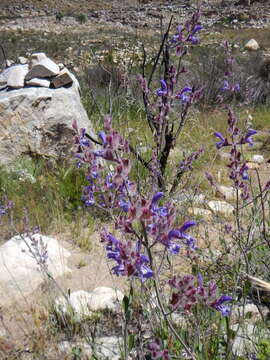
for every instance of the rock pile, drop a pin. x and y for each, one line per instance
(39, 71)
(39, 101)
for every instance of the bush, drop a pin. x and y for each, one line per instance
(81, 18)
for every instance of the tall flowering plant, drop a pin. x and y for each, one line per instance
(145, 227)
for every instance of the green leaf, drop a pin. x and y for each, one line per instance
(131, 341)
(125, 304)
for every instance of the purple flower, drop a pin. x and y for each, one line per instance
(226, 85)
(196, 29)
(2, 211)
(163, 90)
(181, 234)
(222, 142)
(161, 211)
(247, 138)
(236, 87)
(183, 94)
(243, 172)
(84, 142)
(178, 35)
(174, 248)
(156, 352)
(130, 262)
(186, 163)
(218, 305)
(124, 205)
(192, 38)
(156, 198)
(102, 136)
(186, 294)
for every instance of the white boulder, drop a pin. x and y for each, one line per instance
(20, 273)
(38, 120)
(84, 303)
(104, 297)
(221, 207)
(252, 45)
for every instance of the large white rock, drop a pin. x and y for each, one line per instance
(248, 312)
(104, 297)
(221, 207)
(246, 337)
(104, 348)
(20, 274)
(43, 69)
(84, 303)
(252, 45)
(38, 121)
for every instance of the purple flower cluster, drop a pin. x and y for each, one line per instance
(187, 33)
(4, 208)
(229, 87)
(105, 189)
(186, 163)
(130, 261)
(156, 351)
(189, 291)
(159, 221)
(238, 169)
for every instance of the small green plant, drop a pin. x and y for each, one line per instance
(81, 18)
(263, 350)
(59, 16)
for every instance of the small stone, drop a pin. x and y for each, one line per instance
(9, 62)
(39, 82)
(16, 76)
(62, 79)
(61, 66)
(22, 60)
(43, 69)
(259, 159)
(253, 165)
(228, 192)
(37, 58)
(200, 212)
(78, 303)
(252, 45)
(221, 207)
